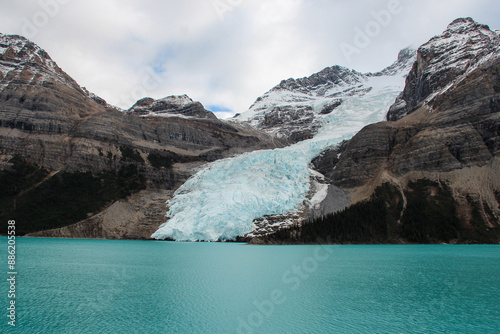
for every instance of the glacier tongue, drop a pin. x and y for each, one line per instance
(221, 201)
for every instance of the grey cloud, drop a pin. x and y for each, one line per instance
(230, 59)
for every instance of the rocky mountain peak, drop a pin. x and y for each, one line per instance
(296, 108)
(406, 54)
(319, 82)
(444, 60)
(170, 106)
(177, 100)
(464, 24)
(18, 48)
(31, 82)
(145, 102)
(19, 53)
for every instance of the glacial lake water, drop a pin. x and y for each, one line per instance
(101, 286)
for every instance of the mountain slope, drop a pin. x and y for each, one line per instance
(49, 123)
(444, 61)
(429, 174)
(448, 142)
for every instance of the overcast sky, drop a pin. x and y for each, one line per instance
(225, 53)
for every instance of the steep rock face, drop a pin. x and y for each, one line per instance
(458, 128)
(46, 117)
(31, 84)
(452, 137)
(443, 60)
(296, 108)
(49, 120)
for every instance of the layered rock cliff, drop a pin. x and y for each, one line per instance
(48, 120)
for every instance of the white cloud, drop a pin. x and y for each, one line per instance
(226, 59)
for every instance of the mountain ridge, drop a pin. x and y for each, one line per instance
(51, 124)
(440, 141)
(295, 108)
(444, 147)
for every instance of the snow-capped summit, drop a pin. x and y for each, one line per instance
(170, 106)
(462, 45)
(319, 84)
(445, 60)
(177, 100)
(296, 108)
(24, 49)
(18, 54)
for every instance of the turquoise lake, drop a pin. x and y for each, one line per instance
(101, 286)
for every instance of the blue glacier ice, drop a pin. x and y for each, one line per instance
(221, 201)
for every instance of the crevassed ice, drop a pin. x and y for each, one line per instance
(221, 201)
